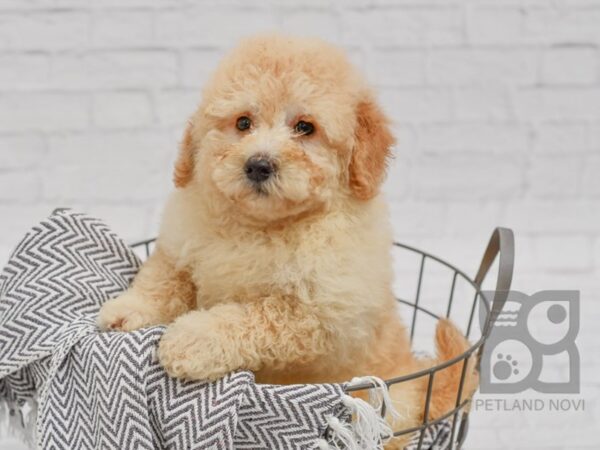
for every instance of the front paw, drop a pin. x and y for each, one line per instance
(126, 312)
(194, 348)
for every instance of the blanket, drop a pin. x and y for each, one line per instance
(70, 386)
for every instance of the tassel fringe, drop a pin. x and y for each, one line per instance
(17, 420)
(367, 429)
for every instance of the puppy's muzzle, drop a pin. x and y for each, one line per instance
(259, 168)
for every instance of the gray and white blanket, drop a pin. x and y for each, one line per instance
(86, 389)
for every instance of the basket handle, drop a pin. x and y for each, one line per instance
(501, 245)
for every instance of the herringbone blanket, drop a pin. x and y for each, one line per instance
(107, 390)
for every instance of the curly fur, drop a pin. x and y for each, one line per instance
(292, 282)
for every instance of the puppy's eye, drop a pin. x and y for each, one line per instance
(243, 123)
(304, 128)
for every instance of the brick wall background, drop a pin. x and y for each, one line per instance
(496, 106)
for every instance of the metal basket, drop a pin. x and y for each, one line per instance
(500, 248)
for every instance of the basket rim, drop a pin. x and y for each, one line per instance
(425, 372)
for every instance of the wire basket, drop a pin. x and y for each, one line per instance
(501, 248)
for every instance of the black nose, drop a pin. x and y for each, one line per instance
(258, 168)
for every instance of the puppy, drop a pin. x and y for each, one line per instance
(274, 250)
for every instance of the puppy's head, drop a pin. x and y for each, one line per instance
(286, 128)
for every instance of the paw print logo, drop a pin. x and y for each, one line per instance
(531, 331)
(510, 362)
(505, 367)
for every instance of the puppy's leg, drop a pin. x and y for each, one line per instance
(271, 332)
(158, 294)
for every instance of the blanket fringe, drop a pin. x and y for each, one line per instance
(367, 429)
(18, 419)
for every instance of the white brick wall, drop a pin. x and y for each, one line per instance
(496, 106)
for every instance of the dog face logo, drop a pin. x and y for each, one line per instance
(532, 335)
(277, 136)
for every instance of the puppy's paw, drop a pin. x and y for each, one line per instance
(193, 348)
(126, 312)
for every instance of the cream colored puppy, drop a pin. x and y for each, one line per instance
(274, 250)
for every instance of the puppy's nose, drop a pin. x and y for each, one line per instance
(259, 168)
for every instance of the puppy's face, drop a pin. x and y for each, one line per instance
(268, 152)
(286, 127)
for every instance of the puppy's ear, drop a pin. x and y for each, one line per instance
(184, 166)
(371, 151)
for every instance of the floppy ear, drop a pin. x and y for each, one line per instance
(371, 151)
(184, 166)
